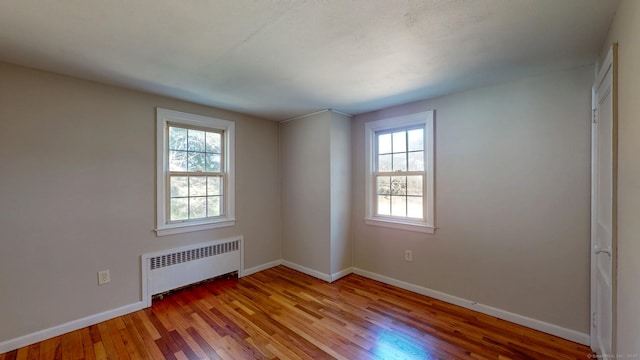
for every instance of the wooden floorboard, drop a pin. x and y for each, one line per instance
(280, 313)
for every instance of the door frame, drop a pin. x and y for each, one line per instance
(609, 64)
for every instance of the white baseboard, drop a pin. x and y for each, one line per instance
(308, 271)
(572, 335)
(303, 269)
(41, 335)
(13, 344)
(262, 267)
(322, 276)
(341, 274)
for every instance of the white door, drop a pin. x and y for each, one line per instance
(603, 208)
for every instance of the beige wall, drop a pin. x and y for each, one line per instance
(340, 148)
(305, 189)
(625, 30)
(315, 163)
(77, 161)
(512, 196)
(512, 200)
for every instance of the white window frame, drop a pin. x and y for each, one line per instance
(163, 226)
(425, 225)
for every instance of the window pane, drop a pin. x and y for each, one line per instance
(384, 163)
(213, 186)
(213, 142)
(398, 185)
(414, 185)
(196, 140)
(416, 139)
(197, 207)
(414, 207)
(383, 185)
(197, 186)
(179, 209)
(213, 206)
(398, 206)
(179, 186)
(400, 162)
(384, 144)
(397, 172)
(213, 162)
(384, 205)
(399, 142)
(416, 161)
(177, 160)
(196, 162)
(177, 138)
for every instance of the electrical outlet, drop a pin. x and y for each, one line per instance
(408, 255)
(104, 277)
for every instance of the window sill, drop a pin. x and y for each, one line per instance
(181, 228)
(398, 224)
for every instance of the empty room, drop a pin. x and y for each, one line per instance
(358, 179)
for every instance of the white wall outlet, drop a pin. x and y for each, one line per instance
(408, 255)
(104, 277)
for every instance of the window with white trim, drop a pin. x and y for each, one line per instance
(195, 182)
(400, 177)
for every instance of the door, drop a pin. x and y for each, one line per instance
(603, 207)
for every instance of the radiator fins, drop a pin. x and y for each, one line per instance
(193, 254)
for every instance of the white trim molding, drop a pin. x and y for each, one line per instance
(308, 271)
(257, 269)
(340, 274)
(571, 335)
(423, 120)
(163, 227)
(303, 269)
(568, 334)
(58, 330)
(397, 224)
(314, 113)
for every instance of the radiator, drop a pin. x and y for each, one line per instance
(178, 267)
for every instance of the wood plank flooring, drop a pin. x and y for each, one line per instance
(280, 313)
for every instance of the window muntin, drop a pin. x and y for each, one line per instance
(399, 175)
(400, 179)
(195, 172)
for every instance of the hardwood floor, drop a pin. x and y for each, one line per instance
(283, 314)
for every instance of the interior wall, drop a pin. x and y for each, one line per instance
(340, 148)
(624, 31)
(78, 195)
(512, 199)
(305, 189)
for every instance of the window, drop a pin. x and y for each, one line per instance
(195, 187)
(400, 178)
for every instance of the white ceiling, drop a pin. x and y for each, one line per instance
(280, 59)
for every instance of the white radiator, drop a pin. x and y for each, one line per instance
(174, 268)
